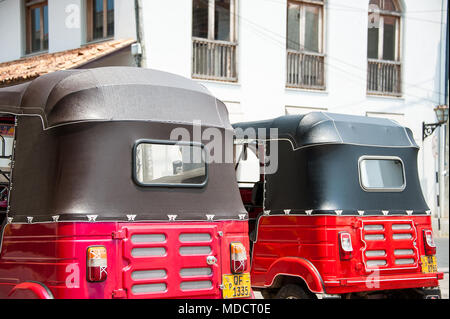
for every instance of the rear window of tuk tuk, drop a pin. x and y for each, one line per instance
(381, 173)
(196, 174)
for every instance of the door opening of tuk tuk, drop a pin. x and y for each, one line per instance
(250, 180)
(6, 148)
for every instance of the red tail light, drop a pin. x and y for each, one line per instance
(428, 242)
(238, 258)
(345, 246)
(97, 267)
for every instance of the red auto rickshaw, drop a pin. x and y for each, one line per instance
(343, 212)
(106, 202)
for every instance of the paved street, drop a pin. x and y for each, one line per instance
(442, 252)
(442, 260)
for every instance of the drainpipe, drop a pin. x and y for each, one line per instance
(139, 51)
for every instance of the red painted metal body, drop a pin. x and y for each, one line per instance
(49, 259)
(307, 247)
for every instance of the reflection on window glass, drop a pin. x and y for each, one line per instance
(312, 28)
(36, 29)
(39, 28)
(110, 18)
(200, 18)
(98, 19)
(389, 38)
(170, 164)
(222, 20)
(303, 27)
(372, 43)
(45, 44)
(293, 28)
(382, 174)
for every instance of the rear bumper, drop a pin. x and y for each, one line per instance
(383, 282)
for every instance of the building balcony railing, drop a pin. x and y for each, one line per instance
(214, 60)
(384, 77)
(305, 70)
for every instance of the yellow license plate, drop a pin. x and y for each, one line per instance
(429, 264)
(236, 286)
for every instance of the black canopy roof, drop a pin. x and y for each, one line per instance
(114, 93)
(83, 166)
(322, 175)
(324, 128)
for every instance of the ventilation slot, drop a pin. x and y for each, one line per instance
(401, 227)
(374, 237)
(148, 274)
(373, 227)
(195, 237)
(148, 238)
(148, 252)
(376, 263)
(402, 252)
(375, 253)
(195, 272)
(195, 250)
(406, 261)
(195, 285)
(401, 236)
(150, 288)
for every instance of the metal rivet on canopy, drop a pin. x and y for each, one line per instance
(92, 218)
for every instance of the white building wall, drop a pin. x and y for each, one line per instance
(64, 25)
(124, 19)
(67, 25)
(167, 33)
(11, 46)
(260, 92)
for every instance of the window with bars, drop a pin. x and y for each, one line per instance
(304, 41)
(36, 14)
(383, 48)
(214, 40)
(100, 19)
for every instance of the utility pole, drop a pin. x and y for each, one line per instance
(139, 50)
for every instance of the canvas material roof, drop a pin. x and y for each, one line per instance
(114, 93)
(324, 128)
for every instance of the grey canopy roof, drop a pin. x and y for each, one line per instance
(114, 93)
(322, 128)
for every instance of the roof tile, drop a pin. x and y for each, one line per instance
(31, 67)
